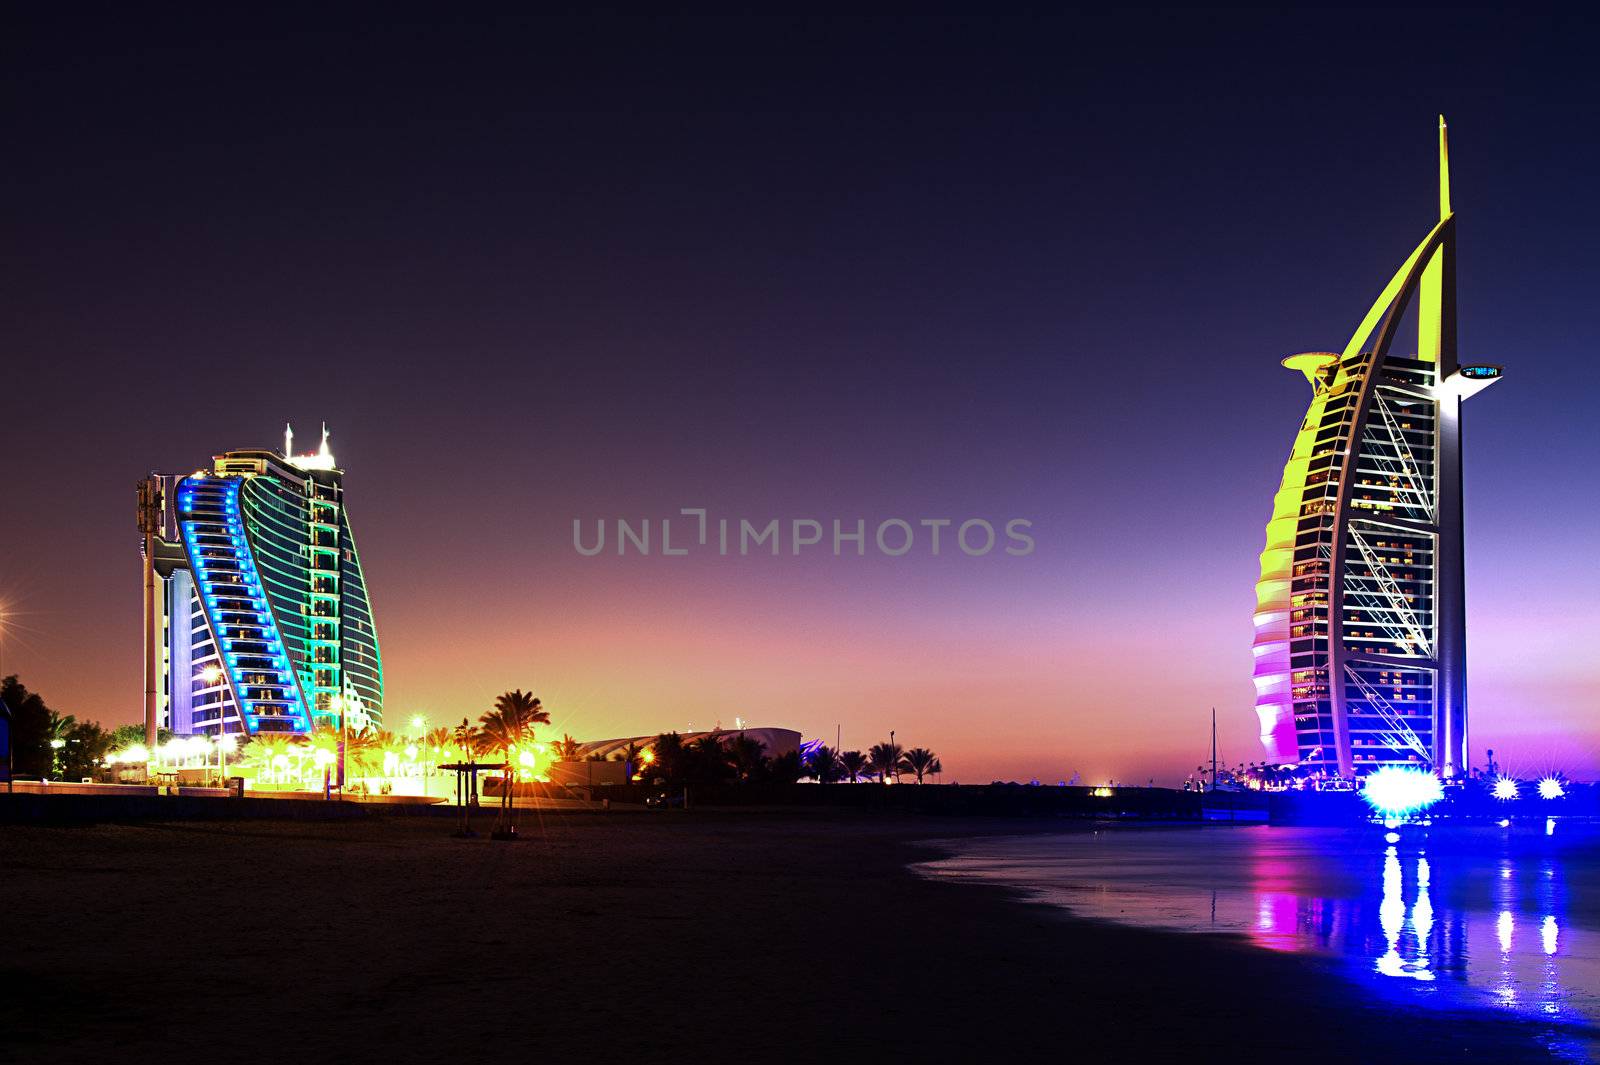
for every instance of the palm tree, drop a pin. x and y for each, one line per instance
(630, 759)
(884, 758)
(322, 745)
(706, 759)
(57, 725)
(784, 769)
(566, 749)
(383, 739)
(434, 743)
(263, 752)
(57, 730)
(744, 753)
(666, 755)
(363, 752)
(921, 761)
(323, 737)
(823, 765)
(510, 724)
(854, 764)
(467, 740)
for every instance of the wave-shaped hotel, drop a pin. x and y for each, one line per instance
(256, 610)
(1360, 645)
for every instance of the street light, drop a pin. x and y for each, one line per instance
(5, 727)
(420, 723)
(5, 618)
(337, 703)
(226, 743)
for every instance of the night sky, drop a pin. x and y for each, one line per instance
(530, 271)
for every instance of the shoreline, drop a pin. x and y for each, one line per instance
(653, 937)
(1371, 1028)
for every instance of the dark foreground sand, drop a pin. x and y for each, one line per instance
(663, 936)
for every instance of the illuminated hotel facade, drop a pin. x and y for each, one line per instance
(258, 619)
(1360, 624)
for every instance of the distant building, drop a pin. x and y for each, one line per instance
(775, 742)
(1360, 646)
(263, 614)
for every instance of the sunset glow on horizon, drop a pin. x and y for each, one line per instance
(834, 301)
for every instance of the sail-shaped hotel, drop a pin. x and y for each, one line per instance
(1360, 645)
(256, 610)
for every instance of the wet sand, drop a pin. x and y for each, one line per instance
(631, 936)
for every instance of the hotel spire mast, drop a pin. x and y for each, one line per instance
(1444, 169)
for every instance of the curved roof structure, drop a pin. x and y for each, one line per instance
(774, 741)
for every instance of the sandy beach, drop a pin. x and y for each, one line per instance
(629, 936)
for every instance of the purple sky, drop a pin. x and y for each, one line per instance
(543, 270)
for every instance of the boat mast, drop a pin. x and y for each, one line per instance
(1213, 748)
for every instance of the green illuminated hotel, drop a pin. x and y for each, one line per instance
(1361, 631)
(257, 615)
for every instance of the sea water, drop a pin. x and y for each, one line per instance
(1495, 918)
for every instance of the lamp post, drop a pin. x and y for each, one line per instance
(5, 711)
(209, 675)
(419, 723)
(5, 738)
(338, 703)
(225, 743)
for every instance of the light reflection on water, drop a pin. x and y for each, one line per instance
(1454, 916)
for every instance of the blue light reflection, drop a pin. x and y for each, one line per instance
(1454, 917)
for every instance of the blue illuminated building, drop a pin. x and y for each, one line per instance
(267, 623)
